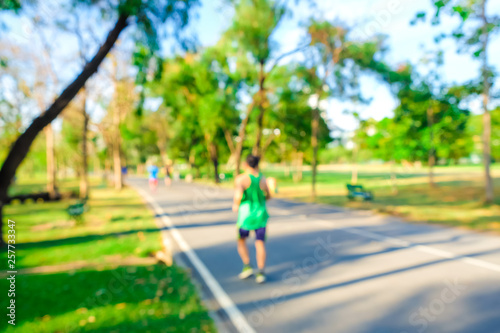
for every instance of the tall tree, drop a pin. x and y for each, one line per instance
(336, 60)
(147, 15)
(473, 35)
(49, 131)
(257, 41)
(290, 123)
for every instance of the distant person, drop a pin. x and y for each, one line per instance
(251, 193)
(168, 177)
(124, 172)
(153, 177)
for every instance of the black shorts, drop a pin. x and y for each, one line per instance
(260, 234)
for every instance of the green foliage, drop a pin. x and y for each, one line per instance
(253, 25)
(472, 34)
(204, 107)
(407, 136)
(10, 5)
(475, 129)
(291, 114)
(335, 155)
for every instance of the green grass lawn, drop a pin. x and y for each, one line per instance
(456, 201)
(98, 276)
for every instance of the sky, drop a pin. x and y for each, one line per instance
(389, 17)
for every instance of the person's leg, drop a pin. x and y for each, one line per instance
(260, 248)
(242, 246)
(247, 270)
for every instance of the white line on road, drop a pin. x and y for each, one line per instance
(420, 248)
(403, 243)
(235, 315)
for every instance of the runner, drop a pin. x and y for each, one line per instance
(153, 177)
(251, 193)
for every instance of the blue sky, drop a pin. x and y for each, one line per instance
(390, 17)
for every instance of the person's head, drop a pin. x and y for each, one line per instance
(252, 161)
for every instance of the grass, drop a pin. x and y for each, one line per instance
(456, 200)
(98, 276)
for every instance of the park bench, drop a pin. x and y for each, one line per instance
(357, 191)
(35, 197)
(77, 210)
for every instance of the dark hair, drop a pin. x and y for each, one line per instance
(253, 161)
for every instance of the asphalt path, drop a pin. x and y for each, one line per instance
(334, 270)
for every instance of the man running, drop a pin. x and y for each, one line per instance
(251, 193)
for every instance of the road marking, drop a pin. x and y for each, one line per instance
(235, 315)
(421, 248)
(404, 244)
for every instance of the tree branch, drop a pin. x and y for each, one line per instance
(23, 143)
(284, 55)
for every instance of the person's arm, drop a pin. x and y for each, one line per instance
(238, 193)
(265, 188)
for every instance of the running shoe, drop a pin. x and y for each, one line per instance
(246, 272)
(260, 278)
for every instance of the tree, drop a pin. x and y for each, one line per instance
(204, 113)
(256, 40)
(146, 14)
(49, 131)
(335, 60)
(290, 123)
(473, 35)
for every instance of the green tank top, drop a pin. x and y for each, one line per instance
(252, 213)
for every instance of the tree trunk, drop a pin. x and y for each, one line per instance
(117, 167)
(354, 176)
(266, 145)
(242, 135)
(314, 144)
(107, 169)
(432, 153)
(230, 143)
(2, 241)
(97, 163)
(260, 120)
(117, 161)
(51, 161)
(212, 152)
(490, 195)
(84, 180)
(256, 151)
(163, 152)
(216, 170)
(299, 159)
(487, 155)
(23, 143)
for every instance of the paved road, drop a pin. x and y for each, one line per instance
(332, 270)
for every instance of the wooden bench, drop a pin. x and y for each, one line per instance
(357, 191)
